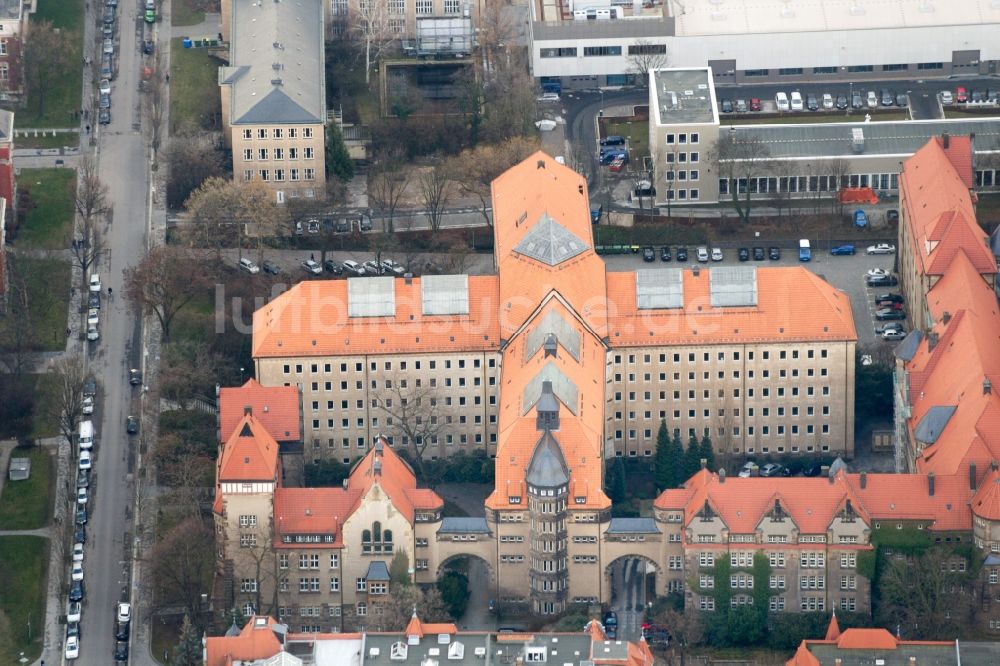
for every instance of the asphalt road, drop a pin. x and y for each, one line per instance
(628, 596)
(123, 167)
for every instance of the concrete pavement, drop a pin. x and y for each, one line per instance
(210, 27)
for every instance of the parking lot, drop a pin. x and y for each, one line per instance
(847, 273)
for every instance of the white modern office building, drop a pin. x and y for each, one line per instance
(591, 43)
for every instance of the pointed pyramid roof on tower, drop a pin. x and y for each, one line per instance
(833, 631)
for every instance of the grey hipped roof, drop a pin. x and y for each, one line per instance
(632, 526)
(377, 571)
(933, 423)
(550, 242)
(547, 468)
(463, 525)
(276, 56)
(907, 349)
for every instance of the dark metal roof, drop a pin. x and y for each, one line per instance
(933, 422)
(547, 468)
(550, 242)
(377, 571)
(463, 525)
(907, 349)
(632, 526)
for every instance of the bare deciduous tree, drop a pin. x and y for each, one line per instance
(474, 170)
(188, 368)
(91, 203)
(644, 56)
(386, 186)
(435, 192)
(182, 563)
(738, 162)
(45, 58)
(156, 102)
(414, 415)
(840, 170)
(223, 212)
(164, 281)
(66, 406)
(371, 23)
(497, 31)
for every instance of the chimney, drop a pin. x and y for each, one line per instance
(913, 660)
(930, 484)
(945, 139)
(696, 271)
(407, 278)
(837, 661)
(824, 470)
(247, 410)
(972, 476)
(946, 317)
(377, 467)
(703, 462)
(864, 480)
(987, 386)
(547, 409)
(722, 475)
(932, 340)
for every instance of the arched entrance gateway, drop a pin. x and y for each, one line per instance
(631, 580)
(476, 578)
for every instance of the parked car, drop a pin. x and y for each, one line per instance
(754, 104)
(891, 326)
(390, 267)
(147, 47)
(961, 95)
(771, 469)
(364, 224)
(741, 106)
(886, 314)
(773, 253)
(893, 334)
(842, 249)
(901, 100)
(249, 266)
(881, 248)
(372, 268)
(743, 254)
(93, 317)
(872, 100)
(104, 101)
(613, 140)
(86, 460)
(76, 591)
(87, 406)
(749, 469)
(877, 272)
(888, 298)
(857, 102)
(312, 226)
(108, 46)
(81, 496)
(122, 631)
(595, 213)
(134, 376)
(104, 87)
(827, 101)
(80, 534)
(795, 100)
(860, 219)
(353, 268)
(76, 573)
(665, 253)
(842, 102)
(682, 253)
(813, 470)
(131, 424)
(892, 216)
(72, 647)
(104, 117)
(74, 611)
(703, 254)
(94, 299)
(272, 268)
(648, 254)
(123, 612)
(549, 97)
(121, 651)
(334, 267)
(78, 552)
(83, 478)
(95, 282)
(727, 106)
(343, 226)
(310, 266)
(881, 281)
(886, 98)
(716, 254)
(781, 101)
(947, 97)
(81, 516)
(758, 254)
(812, 103)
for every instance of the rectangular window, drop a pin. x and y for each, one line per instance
(894, 68)
(854, 69)
(452, 6)
(647, 49)
(790, 71)
(756, 72)
(262, 154)
(592, 51)
(824, 70)
(425, 7)
(930, 65)
(567, 52)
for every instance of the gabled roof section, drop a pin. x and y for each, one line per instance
(276, 56)
(276, 407)
(256, 641)
(553, 323)
(311, 319)
(382, 465)
(547, 468)
(250, 454)
(550, 242)
(908, 497)
(986, 501)
(562, 386)
(833, 630)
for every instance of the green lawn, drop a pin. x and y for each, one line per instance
(46, 423)
(637, 133)
(23, 564)
(194, 88)
(50, 197)
(64, 95)
(68, 139)
(950, 112)
(47, 282)
(186, 12)
(27, 505)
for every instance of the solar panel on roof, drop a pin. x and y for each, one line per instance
(445, 294)
(659, 289)
(733, 286)
(371, 297)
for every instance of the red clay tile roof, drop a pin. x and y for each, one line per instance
(311, 319)
(986, 502)
(833, 630)
(522, 197)
(793, 304)
(938, 208)
(250, 454)
(867, 639)
(256, 641)
(889, 497)
(803, 657)
(417, 628)
(277, 408)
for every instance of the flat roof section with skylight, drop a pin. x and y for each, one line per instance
(683, 96)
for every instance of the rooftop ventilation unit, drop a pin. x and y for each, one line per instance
(857, 140)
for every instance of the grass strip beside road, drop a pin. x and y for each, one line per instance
(808, 118)
(49, 196)
(24, 561)
(27, 505)
(64, 96)
(47, 283)
(60, 140)
(194, 88)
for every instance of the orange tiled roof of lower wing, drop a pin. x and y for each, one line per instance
(986, 501)
(250, 454)
(938, 207)
(522, 195)
(395, 477)
(313, 511)
(254, 642)
(889, 497)
(803, 657)
(793, 304)
(277, 408)
(310, 319)
(867, 639)
(962, 287)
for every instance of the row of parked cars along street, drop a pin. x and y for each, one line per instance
(349, 267)
(86, 444)
(703, 253)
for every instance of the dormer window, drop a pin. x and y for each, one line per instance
(398, 651)
(514, 499)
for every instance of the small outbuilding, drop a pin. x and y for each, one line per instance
(20, 469)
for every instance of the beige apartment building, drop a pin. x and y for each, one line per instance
(274, 95)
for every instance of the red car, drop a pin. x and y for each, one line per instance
(961, 95)
(754, 104)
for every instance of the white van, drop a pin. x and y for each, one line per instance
(781, 99)
(86, 431)
(249, 266)
(796, 101)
